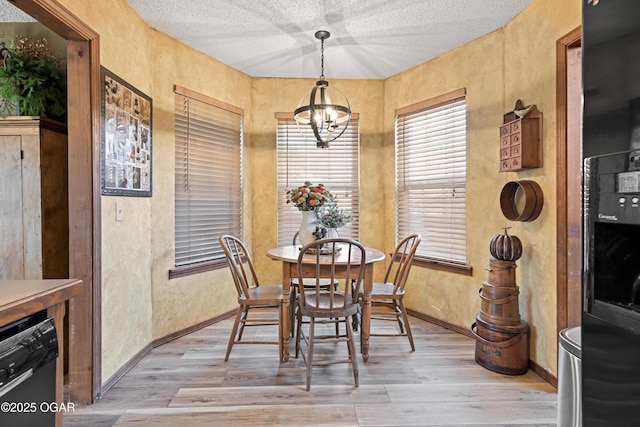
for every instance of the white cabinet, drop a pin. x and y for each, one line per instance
(34, 216)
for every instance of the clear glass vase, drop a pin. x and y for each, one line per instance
(332, 233)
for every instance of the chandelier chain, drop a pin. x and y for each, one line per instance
(322, 59)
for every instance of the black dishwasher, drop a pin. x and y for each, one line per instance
(28, 353)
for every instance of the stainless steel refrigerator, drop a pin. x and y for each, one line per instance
(611, 257)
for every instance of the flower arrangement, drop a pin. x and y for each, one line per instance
(333, 217)
(309, 197)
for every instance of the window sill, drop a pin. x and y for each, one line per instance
(197, 268)
(451, 267)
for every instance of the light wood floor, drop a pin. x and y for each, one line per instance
(187, 383)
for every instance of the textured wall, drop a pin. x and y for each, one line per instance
(139, 302)
(443, 295)
(517, 61)
(282, 95)
(126, 245)
(182, 302)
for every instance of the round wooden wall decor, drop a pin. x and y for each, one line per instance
(533, 200)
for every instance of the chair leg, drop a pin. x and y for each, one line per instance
(293, 309)
(346, 334)
(234, 330)
(354, 319)
(298, 333)
(243, 317)
(309, 359)
(399, 316)
(405, 319)
(281, 334)
(352, 350)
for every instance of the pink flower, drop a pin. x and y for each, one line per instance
(309, 197)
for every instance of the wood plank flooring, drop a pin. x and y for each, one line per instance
(187, 383)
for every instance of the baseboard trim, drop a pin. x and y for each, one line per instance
(543, 373)
(439, 322)
(537, 369)
(156, 343)
(124, 369)
(175, 335)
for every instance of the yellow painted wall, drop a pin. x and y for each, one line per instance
(282, 95)
(447, 296)
(515, 62)
(183, 302)
(140, 303)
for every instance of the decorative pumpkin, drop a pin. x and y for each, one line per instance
(505, 247)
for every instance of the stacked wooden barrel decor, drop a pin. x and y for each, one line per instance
(502, 337)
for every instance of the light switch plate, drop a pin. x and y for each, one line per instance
(119, 211)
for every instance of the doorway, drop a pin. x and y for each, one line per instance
(569, 179)
(83, 94)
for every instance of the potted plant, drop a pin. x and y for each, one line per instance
(32, 81)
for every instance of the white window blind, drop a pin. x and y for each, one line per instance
(299, 160)
(208, 182)
(431, 166)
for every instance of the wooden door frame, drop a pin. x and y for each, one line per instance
(572, 39)
(83, 93)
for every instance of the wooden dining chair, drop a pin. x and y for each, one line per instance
(387, 297)
(307, 283)
(250, 295)
(329, 304)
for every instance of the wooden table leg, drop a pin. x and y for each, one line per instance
(286, 307)
(366, 312)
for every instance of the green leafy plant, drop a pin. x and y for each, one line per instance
(36, 83)
(332, 217)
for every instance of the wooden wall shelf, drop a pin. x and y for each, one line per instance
(521, 139)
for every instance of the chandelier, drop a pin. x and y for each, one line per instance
(326, 111)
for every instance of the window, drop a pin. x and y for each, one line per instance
(208, 184)
(336, 167)
(431, 178)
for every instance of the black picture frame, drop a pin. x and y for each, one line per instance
(126, 149)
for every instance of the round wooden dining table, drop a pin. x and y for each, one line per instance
(288, 255)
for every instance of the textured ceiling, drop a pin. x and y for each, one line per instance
(369, 39)
(10, 13)
(275, 38)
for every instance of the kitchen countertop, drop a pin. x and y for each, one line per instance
(21, 298)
